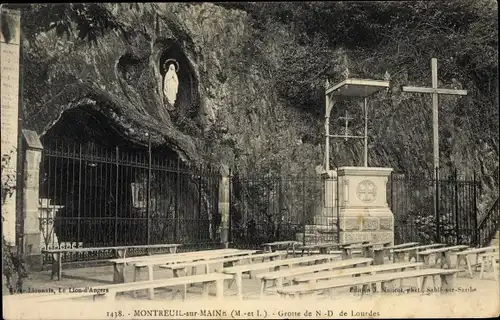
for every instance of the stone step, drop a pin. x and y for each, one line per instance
(325, 220)
(316, 238)
(314, 228)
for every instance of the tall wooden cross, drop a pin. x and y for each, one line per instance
(435, 91)
(346, 128)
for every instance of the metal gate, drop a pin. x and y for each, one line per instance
(94, 196)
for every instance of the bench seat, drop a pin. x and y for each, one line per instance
(463, 256)
(183, 266)
(447, 282)
(109, 291)
(279, 276)
(310, 278)
(289, 245)
(238, 270)
(399, 254)
(144, 261)
(379, 253)
(442, 254)
(490, 259)
(120, 252)
(366, 249)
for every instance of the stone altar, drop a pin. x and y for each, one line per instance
(363, 210)
(357, 195)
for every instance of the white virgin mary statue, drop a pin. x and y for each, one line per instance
(171, 85)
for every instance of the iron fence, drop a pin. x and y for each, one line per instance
(94, 196)
(440, 207)
(275, 208)
(488, 225)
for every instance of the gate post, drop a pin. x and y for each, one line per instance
(224, 204)
(32, 239)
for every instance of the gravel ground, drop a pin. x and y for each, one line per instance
(475, 297)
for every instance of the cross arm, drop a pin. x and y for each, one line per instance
(432, 90)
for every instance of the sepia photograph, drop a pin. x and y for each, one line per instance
(250, 160)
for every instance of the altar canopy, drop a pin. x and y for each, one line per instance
(349, 89)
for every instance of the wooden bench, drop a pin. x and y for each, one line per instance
(119, 251)
(379, 253)
(279, 276)
(272, 246)
(447, 282)
(237, 271)
(119, 264)
(442, 254)
(312, 278)
(176, 267)
(109, 292)
(490, 259)
(463, 256)
(366, 249)
(323, 248)
(208, 256)
(399, 254)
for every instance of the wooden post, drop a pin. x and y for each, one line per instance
(366, 134)
(435, 113)
(327, 133)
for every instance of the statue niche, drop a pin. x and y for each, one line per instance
(170, 82)
(179, 82)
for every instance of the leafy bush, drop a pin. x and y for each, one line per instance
(12, 263)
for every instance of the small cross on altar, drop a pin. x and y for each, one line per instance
(435, 91)
(346, 129)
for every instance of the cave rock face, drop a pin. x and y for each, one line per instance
(226, 108)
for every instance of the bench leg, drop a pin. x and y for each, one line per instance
(423, 284)
(345, 254)
(204, 289)
(365, 252)
(401, 280)
(412, 254)
(434, 280)
(279, 282)
(172, 249)
(378, 257)
(239, 285)
(378, 287)
(151, 291)
(447, 282)
(425, 260)
(229, 283)
(262, 286)
(184, 292)
(118, 276)
(108, 297)
(483, 264)
(446, 259)
(121, 253)
(495, 268)
(469, 266)
(56, 266)
(219, 289)
(136, 278)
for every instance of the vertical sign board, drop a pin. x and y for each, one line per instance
(9, 100)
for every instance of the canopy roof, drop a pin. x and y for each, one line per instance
(357, 88)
